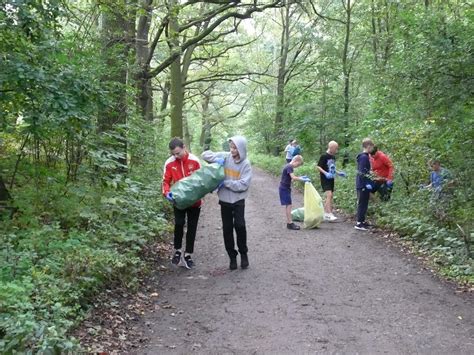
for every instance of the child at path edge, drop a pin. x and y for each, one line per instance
(364, 184)
(180, 165)
(287, 176)
(327, 171)
(383, 169)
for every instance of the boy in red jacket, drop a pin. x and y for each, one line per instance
(383, 169)
(179, 165)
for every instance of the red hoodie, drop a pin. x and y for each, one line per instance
(176, 169)
(382, 166)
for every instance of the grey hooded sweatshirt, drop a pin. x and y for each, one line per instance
(237, 173)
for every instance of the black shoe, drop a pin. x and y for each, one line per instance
(292, 226)
(368, 225)
(233, 263)
(244, 261)
(361, 226)
(189, 262)
(176, 258)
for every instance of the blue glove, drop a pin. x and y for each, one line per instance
(329, 175)
(169, 197)
(220, 161)
(342, 174)
(369, 187)
(389, 183)
(305, 178)
(218, 187)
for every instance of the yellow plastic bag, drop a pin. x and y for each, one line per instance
(313, 207)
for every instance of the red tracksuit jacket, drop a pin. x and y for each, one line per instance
(382, 166)
(176, 169)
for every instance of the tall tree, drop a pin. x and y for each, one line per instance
(285, 13)
(181, 43)
(117, 26)
(176, 79)
(144, 87)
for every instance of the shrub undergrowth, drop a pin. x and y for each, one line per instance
(66, 243)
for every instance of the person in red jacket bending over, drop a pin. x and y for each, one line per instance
(383, 169)
(179, 165)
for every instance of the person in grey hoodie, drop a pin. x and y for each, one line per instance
(232, 194)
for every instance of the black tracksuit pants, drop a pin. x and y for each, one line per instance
(363, 196)
(180, 221)
(233, 217)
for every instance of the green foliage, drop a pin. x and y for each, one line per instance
(78, 225)
(422, 219)
(85, 189)
(54, 262)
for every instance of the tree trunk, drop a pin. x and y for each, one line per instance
(115, 33)
(5, 200)
(165, 97)
(346, 71)
(322, 131)
(186, 63)
(282, 71)
(187, 135)
(176, 81)
(145, 93)
(374, 34)
(205, 138)
(4, 194)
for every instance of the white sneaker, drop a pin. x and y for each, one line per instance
(329, 217)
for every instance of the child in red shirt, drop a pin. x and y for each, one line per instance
(383, 169)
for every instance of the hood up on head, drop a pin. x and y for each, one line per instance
(241, 144)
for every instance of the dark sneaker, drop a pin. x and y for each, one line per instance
(244, 261)
(361, 226)
(368, 225)
(184, 263)
(292, 226)
(176, 257)
(233, 263)
(189, 261)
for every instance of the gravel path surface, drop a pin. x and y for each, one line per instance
(327, 290)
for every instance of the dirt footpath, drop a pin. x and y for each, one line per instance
(329, 290)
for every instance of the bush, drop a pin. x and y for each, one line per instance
(53, 263)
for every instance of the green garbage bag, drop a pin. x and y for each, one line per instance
(189, 190)
(298, 214)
